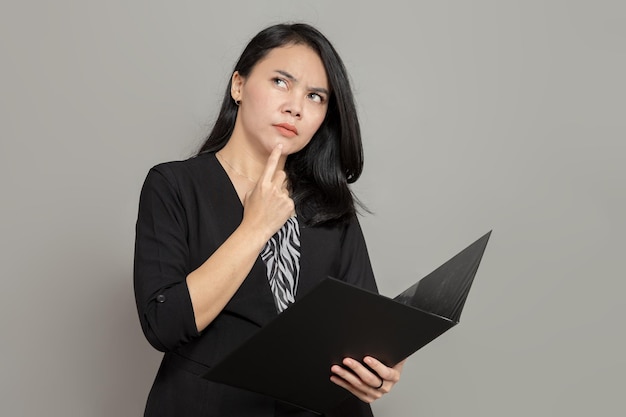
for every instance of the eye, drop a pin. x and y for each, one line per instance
(279, 82)
(317, 98)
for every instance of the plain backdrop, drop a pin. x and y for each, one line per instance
(476, 115)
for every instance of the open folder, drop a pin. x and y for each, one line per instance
(290, 358)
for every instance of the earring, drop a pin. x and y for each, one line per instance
(237, 102)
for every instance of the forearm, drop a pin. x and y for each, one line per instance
(214, 283)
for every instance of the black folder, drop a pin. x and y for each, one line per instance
(290, 358)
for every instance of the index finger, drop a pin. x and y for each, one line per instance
(272, 163)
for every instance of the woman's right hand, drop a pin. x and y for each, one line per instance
(268, 205)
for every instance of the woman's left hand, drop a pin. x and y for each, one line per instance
(361, 382)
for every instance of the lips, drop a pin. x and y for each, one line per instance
(286, 129)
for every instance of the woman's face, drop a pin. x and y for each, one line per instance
(283, 100)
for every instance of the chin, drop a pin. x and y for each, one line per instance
(290, 147)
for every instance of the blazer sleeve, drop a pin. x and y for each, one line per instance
(355, 266)
(161, 264)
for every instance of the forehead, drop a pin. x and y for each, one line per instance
(300, 61)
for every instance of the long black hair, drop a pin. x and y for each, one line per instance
(318, 174)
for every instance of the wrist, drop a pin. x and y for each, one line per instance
(254, 235)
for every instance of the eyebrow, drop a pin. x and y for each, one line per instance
(294, 79)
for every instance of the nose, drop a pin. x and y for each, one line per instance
(294, 113)
(294, 107)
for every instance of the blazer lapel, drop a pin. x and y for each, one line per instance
(253, 300)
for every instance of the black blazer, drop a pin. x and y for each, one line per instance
(187, 209)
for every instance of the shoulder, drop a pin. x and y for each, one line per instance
(347, 229)
(178, 169)
(184, 172)
(183, 177)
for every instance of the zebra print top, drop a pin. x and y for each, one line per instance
(281, 255)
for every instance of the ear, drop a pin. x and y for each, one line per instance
(236, 84)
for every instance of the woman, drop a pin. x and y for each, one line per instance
(266, 201)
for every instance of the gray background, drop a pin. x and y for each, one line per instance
(476, 116)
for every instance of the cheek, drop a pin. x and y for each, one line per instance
(257, 97)
(317, 121)
(255, 108)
